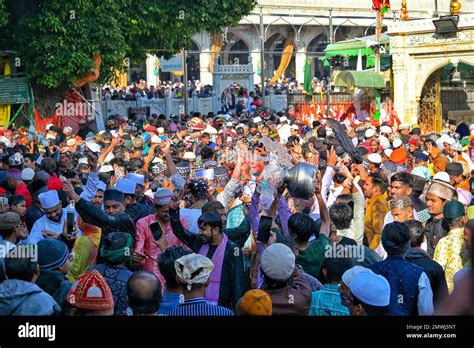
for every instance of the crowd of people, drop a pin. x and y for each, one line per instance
(184, 217)
(141, 89)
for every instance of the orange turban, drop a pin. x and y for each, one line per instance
(398, 156)
(256, 303)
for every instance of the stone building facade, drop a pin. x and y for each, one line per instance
(423, 63)
(306, 21)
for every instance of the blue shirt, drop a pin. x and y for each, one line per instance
(199, 307)
(327, 302)
(170, 302)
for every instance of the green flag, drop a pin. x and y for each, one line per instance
(308, 87)
(377, 111)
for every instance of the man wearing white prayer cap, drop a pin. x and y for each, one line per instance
(285, 130)
(384, 142)
(94, 147)
(464, 196)
(375, 160)
(139, 179)
(369, 133)
(193, 273)
(51, 224)
(386, 155)
(397, 143)
(370, 294)
(142, 186)
(135, 210)
(385, 130)
(126, 186)
(346, 280)
(98, 200)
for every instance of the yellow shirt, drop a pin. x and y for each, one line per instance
(376, 209)
(448, 254)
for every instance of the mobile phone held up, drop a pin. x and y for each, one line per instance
(70, 223)
(264, 229)
(156, 230)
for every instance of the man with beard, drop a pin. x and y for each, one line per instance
(402, 201)
(448, 249)
(439, 193)
(135, 210)
(98, 199)
(141, 187)
(147, 249)
(51, 225)
(113, 219)
(401, 210)
(205, 142)
(375, 189)
(64, 163)
(227, 283)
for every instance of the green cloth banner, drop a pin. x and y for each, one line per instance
(351, 48)
(377, 112)
(365, 79)
(308, 87)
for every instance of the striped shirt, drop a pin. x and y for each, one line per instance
(199, 307)
(327, 301)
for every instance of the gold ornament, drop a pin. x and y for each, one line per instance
(455, 7)
(404, 16)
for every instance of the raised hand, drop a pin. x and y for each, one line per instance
(68, 188)
(92, 161)
(362, 172)
(174, 203)
(332, 157)
(347, 184)
(165, 147)
(297, 147)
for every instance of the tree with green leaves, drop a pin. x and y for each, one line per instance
(56, 39)
(3, 14)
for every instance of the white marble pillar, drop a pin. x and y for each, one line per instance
(204, 67)
(151, 78)
(255, 54)
(399, 88)
(300, 58)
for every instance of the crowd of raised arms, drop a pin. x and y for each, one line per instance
(185, 216)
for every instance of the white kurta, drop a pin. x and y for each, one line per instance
(44, 224)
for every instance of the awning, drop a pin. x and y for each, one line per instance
(350, 79)
(352, 47)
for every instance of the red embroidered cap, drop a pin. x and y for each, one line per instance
(91, 292)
